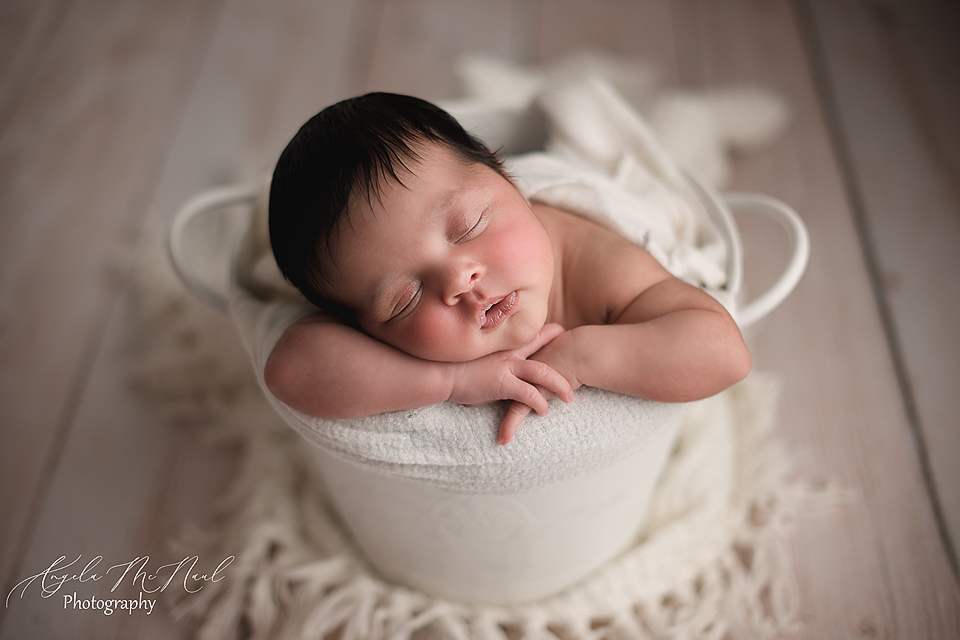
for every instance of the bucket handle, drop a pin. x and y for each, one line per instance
(223, 197)
(206, 202)
(777, 210)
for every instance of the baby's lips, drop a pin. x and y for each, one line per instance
(494, 311)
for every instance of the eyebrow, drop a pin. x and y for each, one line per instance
(450, 198)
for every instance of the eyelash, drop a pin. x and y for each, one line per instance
(403, 310)
(468, 235)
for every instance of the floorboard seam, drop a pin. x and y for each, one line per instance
(97, 338)
(828, 104)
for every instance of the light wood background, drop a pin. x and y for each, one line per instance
(113, 112)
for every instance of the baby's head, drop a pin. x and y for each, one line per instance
(385, 212)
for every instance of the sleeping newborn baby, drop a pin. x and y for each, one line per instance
(437, 280)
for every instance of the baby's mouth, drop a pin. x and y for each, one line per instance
(495, 310)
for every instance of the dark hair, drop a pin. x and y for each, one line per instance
(349, 148)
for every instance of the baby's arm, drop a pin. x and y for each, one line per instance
(660, 339)
(673, 343)
(329, 370)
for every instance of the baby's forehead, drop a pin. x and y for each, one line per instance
(438, 191)
(436, 175)
(424, 164)
(415, 180)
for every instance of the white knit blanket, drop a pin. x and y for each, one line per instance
(712, 561)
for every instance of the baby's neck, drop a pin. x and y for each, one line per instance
(563, 229)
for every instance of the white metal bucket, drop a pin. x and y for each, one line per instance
(504, 548)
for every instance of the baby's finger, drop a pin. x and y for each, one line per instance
(511, 422)
(543, 375)
(527, 394)
(547, 333)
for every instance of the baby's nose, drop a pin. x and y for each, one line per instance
(460, 282)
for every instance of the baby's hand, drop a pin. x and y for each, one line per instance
(508, 375)
(558, 356)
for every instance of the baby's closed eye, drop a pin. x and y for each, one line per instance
(407, 302)
(470, 226)
(476, 228)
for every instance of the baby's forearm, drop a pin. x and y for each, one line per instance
(682, 356)
(672, 343)
(330, 370)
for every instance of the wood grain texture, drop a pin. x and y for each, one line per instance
(895, 95)
(418, 41)
(111, 496)
(877, 566)
(26, 27)
(78, 158)
(125, 481)
(629, 29)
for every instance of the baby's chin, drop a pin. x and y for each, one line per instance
(461, 353)
(452, 354)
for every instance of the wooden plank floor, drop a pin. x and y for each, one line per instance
(112, 113)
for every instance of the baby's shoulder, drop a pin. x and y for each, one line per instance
(602, 272)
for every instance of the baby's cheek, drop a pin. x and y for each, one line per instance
(435, 336)
(507, 250)
(524, 251)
